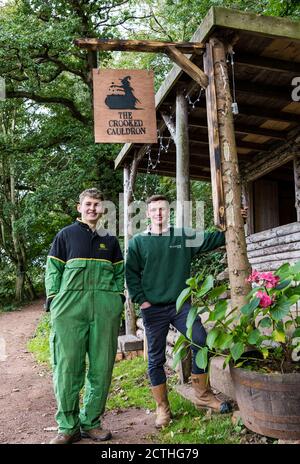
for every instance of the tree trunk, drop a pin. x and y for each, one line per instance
(30, 288)
(238, 264)
(130, 316)
(183, 216)
(20, 281)
(19, 251)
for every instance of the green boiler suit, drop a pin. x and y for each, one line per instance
(84, 286)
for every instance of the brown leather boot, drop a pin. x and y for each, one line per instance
(64, 439)
(204, 396)
(163, 413)
(97, 434)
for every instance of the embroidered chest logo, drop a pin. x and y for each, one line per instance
(102, 246)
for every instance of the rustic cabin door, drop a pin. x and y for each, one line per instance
(265, 204)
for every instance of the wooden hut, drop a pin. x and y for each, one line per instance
(263, 66)
(231, 111)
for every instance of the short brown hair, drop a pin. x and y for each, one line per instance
(91, 192)
(156, 198)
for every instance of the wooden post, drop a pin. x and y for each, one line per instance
(297, 185)
(183, 216)
(130, 316)
(182, 161)
(238, 264)
(170, 125)
(129, 181)
(214, 143)
(248, 203)
(185, 368)
(126, 177)
(92, 58)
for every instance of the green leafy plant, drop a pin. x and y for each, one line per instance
(264, 334)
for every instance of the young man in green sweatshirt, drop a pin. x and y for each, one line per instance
(157, 267)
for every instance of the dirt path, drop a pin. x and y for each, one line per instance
(27, 402)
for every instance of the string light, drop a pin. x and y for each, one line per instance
(193, 103)
(162, 148)
(234, 105)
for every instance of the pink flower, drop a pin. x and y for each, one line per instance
(270, 279)
(254, 277)
(265, 299)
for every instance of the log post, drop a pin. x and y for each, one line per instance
(92, 59)
(297, 185)
(238, 264)
(183, 214)
(126, 177)
(182, 161)
(248, 203)
(130, 316)
(170, 125)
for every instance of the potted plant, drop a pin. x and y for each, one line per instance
(260, 342)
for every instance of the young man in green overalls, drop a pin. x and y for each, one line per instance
(157, 266)
(84, 286)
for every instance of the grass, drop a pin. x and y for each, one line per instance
(39, 343)
(8, 307)
(130, 388)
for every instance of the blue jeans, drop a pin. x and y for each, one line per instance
(157, 320)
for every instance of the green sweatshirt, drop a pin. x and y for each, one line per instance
(158, 266)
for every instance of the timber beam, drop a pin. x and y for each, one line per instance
(151, 46)
(282, 93)
(175, 50)
(269, 64)
(188, 66)
(195, 123)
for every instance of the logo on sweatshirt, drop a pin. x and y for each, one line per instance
(102, 246)
(174, 246)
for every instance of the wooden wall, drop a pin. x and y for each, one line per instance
(268, 249)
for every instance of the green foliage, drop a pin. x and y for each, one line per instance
(265, 324)
(39, 343)
(46, 140)
(210, 263)
(7, 287)
(130, 388)
(46, 135)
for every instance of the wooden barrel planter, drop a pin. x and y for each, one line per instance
(269, 403)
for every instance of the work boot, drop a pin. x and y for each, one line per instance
(65, 439)
(163, 413)
(204, 396)
(97, 434)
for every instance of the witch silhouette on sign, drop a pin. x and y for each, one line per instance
(121, 97)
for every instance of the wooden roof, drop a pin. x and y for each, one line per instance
(266, 59)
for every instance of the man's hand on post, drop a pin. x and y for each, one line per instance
(244, 212)
(145, 305)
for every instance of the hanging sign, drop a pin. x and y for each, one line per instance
(124, 106)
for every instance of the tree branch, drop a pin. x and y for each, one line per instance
(160, 26)
(63, 67)
(50, 100)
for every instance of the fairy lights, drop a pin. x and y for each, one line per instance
(193, 103)
(163, 145)
(234, 105)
